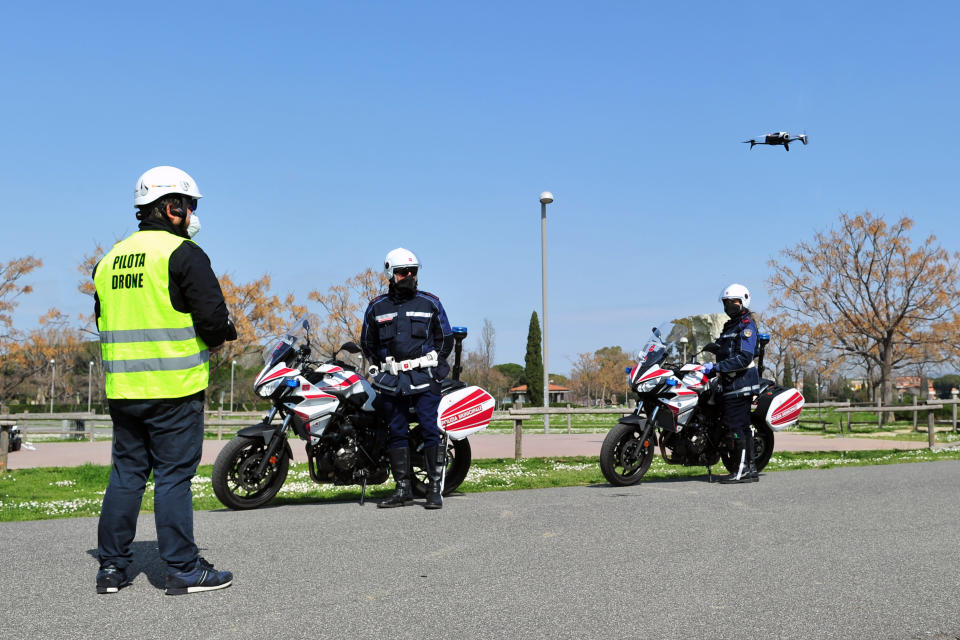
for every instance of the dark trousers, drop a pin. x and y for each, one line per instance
(165, 436)
(736, 418)
(425, 405)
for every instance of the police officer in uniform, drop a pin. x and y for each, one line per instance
(739, 378)
(407, 337)
(159, 310)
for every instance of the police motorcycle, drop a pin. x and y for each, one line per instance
(15, 441)
(337, 413)
(679, 411)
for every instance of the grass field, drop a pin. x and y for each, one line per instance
(65, 492)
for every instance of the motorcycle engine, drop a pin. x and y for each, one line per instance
(345, 458)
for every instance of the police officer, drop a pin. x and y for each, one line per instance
(739, 378)
(407, 337)
(160, 311)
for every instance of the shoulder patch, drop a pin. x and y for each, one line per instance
(747, 333)
(428, 294)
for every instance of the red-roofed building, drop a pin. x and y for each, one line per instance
(557, 394)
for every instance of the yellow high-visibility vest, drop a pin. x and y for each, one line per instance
(150, 350)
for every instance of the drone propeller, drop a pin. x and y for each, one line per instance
(751, 142)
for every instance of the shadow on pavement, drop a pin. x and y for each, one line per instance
(146, 560)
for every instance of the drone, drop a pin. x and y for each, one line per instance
(779, 138)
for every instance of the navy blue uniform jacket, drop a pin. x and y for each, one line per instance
(407, 328)
(738, 344)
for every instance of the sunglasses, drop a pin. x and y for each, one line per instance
(405, 271)
(191, 203)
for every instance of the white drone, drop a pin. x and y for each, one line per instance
(779, 138)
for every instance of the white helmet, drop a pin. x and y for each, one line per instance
(398, 258)
(736, 292)
(161, 181)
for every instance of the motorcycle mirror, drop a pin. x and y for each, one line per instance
(349, 347)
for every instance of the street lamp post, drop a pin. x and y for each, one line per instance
(545, 198)
(683, 341)
(232, 365)
(53, 370)
(89, 386)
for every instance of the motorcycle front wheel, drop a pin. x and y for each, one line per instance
(458, 464)
(762, 449)
(235, 480)
(624, 459)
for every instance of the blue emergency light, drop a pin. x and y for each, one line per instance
(671, 382)
(292, 382)
(763, 336)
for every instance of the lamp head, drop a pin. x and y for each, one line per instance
(546, 197)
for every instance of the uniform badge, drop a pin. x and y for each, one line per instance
(747, 333)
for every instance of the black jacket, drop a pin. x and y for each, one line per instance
(194, 288)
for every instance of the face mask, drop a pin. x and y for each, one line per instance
(194, 227)
(731, 308)
(407, 285)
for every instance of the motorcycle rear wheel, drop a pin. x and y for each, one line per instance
(623, 458)
(234, 478)
(459, 457)
(762, 449)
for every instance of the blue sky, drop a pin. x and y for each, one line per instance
(325, 134)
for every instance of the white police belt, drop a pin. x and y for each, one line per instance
(393, 367)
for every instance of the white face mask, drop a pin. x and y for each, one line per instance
(193, 228)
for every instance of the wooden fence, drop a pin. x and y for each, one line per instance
(83, 426)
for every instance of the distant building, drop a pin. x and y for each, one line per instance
(908, 385)
(557, 394)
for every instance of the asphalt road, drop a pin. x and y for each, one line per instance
(866, 552)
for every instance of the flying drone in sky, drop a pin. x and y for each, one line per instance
(779, 138)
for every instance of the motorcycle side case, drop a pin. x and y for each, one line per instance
(465, 411)
(779, 407)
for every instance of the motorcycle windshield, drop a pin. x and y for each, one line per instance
(284, 345)
(657, 347)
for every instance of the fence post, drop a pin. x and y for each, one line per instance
(4, 445)
(931, 431)
(914, 412)
(568, 423)
(517, 438)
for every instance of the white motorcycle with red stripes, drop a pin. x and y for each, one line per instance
(336, 412)
(679, 411)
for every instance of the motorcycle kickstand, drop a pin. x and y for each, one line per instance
(363, 486)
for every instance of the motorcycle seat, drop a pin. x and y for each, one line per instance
(449, 385)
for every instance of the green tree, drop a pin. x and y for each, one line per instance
(810, 386)
(512, 371)
(787, 372)
(944, 384)
(533, 363)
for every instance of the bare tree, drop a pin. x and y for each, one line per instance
(866, 291)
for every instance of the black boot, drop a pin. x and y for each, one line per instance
(434, 459)
(400, 464)
(742, 472)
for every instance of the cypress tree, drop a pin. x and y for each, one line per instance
(787, 373)
(533, 364)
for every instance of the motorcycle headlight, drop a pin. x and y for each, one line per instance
(648, 385)
(267, 390)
